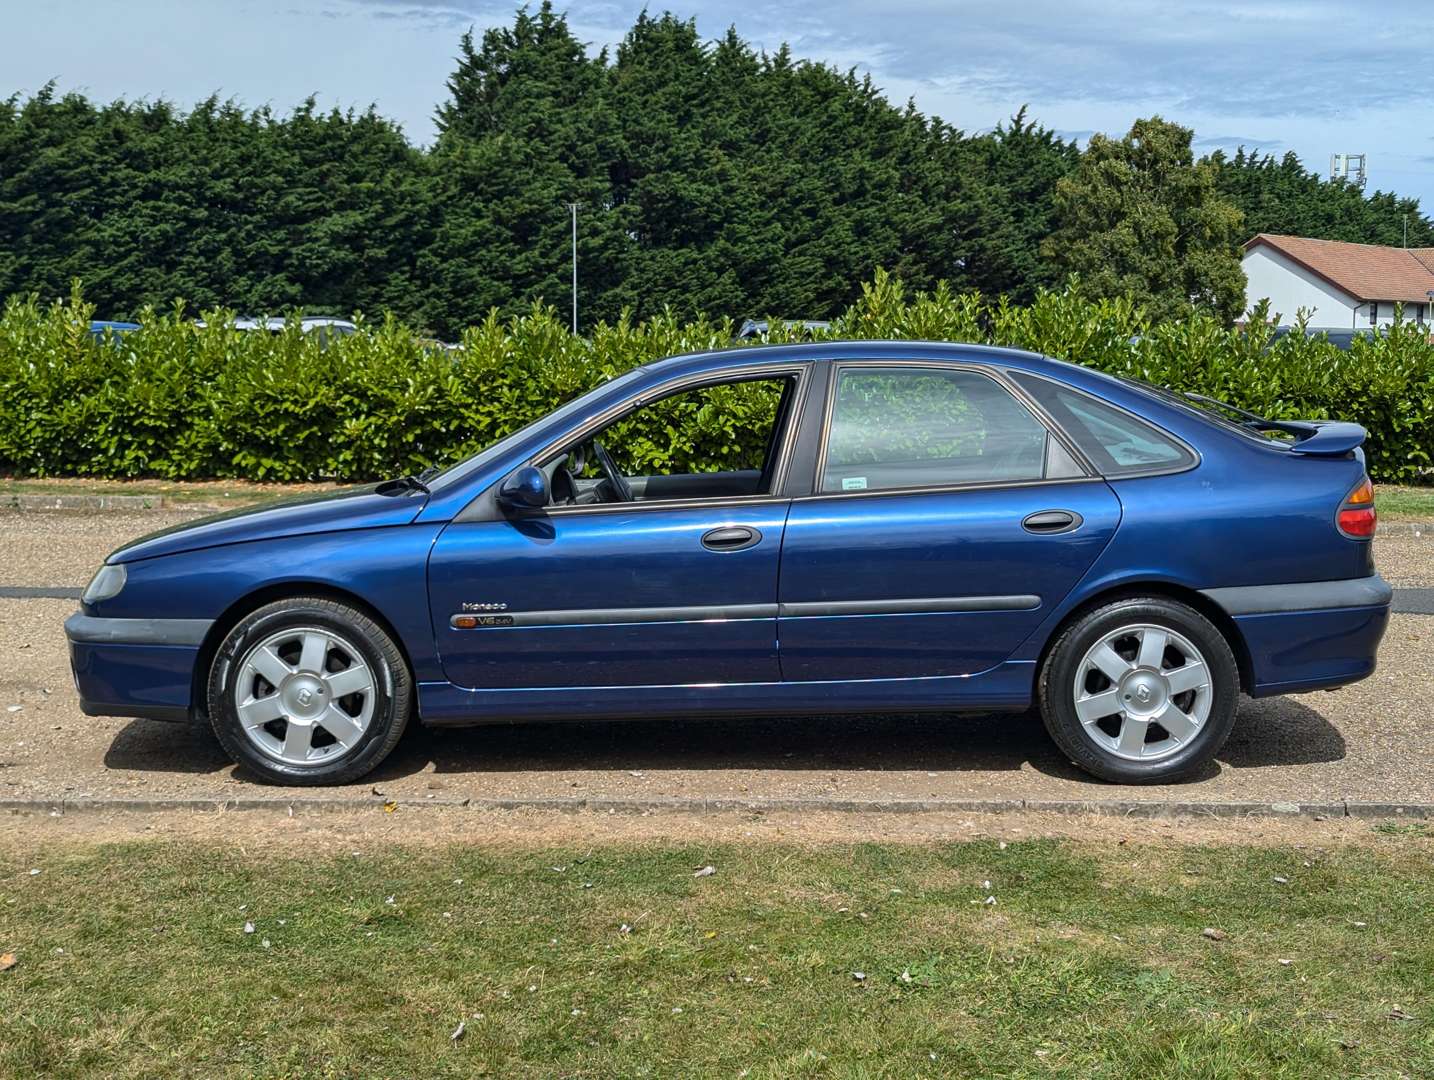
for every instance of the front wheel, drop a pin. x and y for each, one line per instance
(309, 691)
(1140, 691)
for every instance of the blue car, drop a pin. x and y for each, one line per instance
(893, 526)
(116, 330)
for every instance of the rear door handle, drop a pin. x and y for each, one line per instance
(730, 538)
(1052, 521)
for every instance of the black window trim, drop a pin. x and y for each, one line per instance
(1192, 461)
(997, 375)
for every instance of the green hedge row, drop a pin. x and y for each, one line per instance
(180, 401)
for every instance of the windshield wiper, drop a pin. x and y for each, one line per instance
(1251, 420)
(402, 484)
(1204, 399)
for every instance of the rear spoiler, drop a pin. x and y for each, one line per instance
(1318, 438)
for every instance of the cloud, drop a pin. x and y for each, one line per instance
(434, 13)
(1251, 142)
(1277, 58)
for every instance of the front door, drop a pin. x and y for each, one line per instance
(610, 597)
(947, 523)
(655, 562)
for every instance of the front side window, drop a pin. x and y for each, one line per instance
(898, 427)
(1118, 443)
(715, 441)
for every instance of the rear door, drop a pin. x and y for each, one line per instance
(947, 521)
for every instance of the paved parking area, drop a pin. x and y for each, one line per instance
(1372, 742)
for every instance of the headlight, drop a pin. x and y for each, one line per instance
(105, 584)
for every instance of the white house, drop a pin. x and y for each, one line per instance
(1345, 285)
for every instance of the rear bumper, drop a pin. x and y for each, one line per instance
(135, 667)
(1308, 635)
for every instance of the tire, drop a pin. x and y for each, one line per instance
(309, 691)
(1106, 697)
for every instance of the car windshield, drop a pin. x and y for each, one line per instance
(434, 476)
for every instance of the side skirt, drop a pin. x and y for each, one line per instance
(1005, 688)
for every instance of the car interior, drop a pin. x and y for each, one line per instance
(889, 429)
(715, 441)
(896, 428)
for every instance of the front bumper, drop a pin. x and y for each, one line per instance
(1308, 635)
(135, 667)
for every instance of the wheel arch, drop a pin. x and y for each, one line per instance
(255, 599)
(1192, 598)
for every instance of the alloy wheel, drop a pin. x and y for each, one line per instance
(1142, 692)
(304, 695)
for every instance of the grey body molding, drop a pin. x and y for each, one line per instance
(1372, 591)
(86, 628)
(729, 612)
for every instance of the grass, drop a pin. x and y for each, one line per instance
(172, 492)
(1399, 502)
(133, 961)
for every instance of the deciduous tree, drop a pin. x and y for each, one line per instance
(1141, 218)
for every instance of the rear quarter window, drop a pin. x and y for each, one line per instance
(1118, 442)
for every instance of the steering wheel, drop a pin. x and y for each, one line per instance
(609, 469)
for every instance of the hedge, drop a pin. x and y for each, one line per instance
(181, 401)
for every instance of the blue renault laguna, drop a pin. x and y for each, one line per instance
(893, 526)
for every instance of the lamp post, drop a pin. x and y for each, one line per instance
(574, 208)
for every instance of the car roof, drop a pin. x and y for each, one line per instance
(744, 356)
(278, 323)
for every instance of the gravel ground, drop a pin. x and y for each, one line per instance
(1370, 742)
(66, 547)
(1405, 561)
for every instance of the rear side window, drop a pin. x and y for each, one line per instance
(899, 427)
(1120, 444)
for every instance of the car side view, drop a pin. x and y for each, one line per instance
(799, 529)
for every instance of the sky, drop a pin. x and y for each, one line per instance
(1314, 76)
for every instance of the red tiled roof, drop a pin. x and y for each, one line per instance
(1364, 271)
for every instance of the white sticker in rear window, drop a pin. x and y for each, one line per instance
(853, 483)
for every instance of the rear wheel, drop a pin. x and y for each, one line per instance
(309, 691)
(1140, 691)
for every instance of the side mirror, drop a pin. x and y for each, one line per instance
(524, 489)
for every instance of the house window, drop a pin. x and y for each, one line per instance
(1374, 313)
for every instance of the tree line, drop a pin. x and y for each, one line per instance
(711, 179)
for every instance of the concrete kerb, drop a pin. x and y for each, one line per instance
(1423, 530)
(18, 501)
(1134, 808)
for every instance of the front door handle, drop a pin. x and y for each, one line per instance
(1052, 521)
(730, 538)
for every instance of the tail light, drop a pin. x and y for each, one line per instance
(1356, 518)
